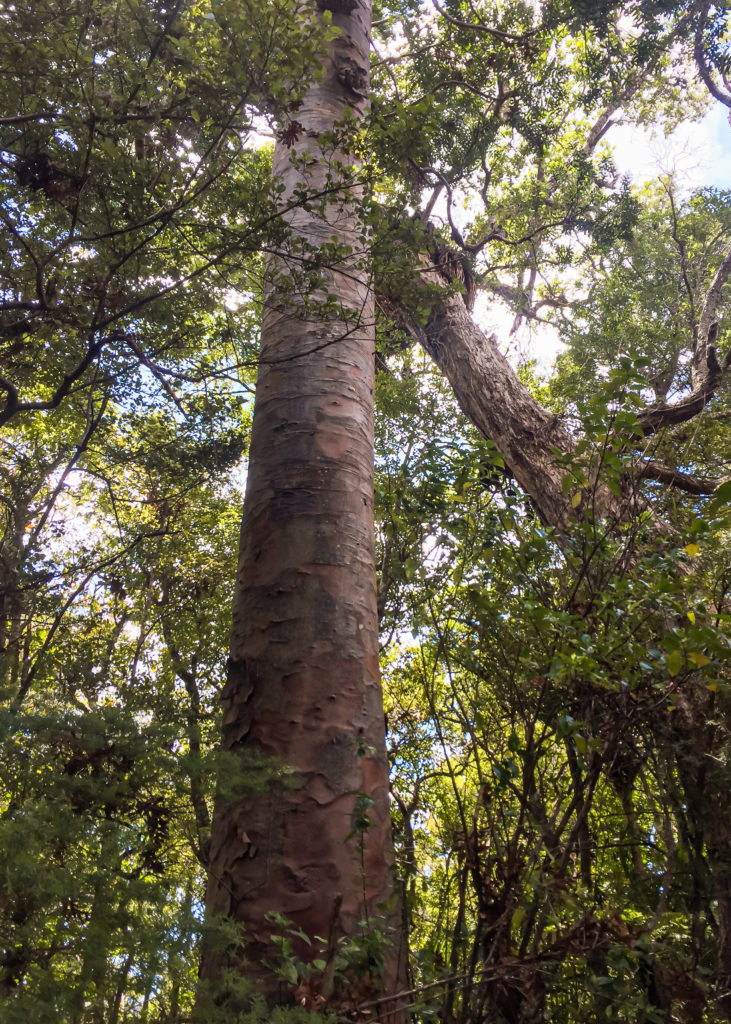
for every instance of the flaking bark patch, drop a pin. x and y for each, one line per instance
(332, 443)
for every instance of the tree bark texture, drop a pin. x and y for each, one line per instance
(304, 685)
(501, 407)
(527, 435)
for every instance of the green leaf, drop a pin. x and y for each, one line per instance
(674, 662)
(722, 493)
(289, 972)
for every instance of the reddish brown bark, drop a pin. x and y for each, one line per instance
(304, 687)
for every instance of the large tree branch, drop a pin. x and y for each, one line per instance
(706, 321)
(531, 440)
(13, 406)
(722, 95)
(655, 417)
(708, 371)
(675, 478)
(500, 406)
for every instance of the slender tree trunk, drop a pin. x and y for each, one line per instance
(700, 745)
(304, 688)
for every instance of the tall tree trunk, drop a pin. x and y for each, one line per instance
(304, 688)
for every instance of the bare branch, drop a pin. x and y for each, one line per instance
(13, 406)
(157, 372)
(604, 123)
(683, 481)
(42, 115)
(486, 29)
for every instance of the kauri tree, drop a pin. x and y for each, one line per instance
(551, 585)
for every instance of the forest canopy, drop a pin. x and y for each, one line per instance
(179, 181)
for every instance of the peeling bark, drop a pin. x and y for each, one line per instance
(304, 686)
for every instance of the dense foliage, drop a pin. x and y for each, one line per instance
(558, 708)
